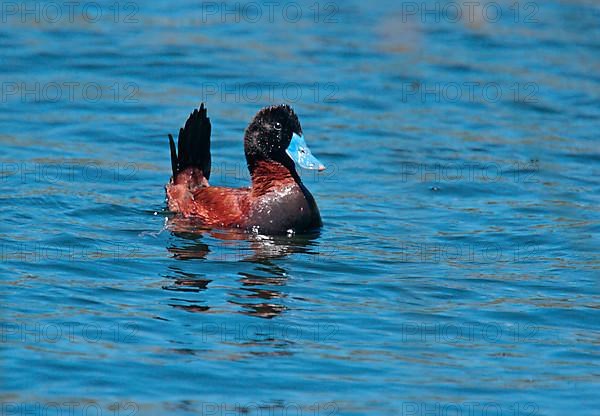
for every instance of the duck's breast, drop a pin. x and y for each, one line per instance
(284, 209)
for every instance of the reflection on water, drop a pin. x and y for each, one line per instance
(258, 290)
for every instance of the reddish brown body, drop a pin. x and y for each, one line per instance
(212, 205)
(275, 201)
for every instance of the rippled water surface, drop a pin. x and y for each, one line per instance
(457, 269)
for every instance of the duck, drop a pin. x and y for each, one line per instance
(276, 202)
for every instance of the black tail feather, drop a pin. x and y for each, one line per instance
(193, 144)
(173, 156)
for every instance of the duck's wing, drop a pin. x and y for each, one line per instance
(193, 145)
(212, 206)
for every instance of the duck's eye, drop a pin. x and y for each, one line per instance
(302, 150)
(278, 126)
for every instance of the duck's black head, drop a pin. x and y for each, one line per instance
(275, 135)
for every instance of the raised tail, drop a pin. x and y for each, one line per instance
(193, 145)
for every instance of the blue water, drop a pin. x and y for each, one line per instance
(457, 270)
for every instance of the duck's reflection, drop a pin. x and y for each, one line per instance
(253, 289)
(257, 293)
